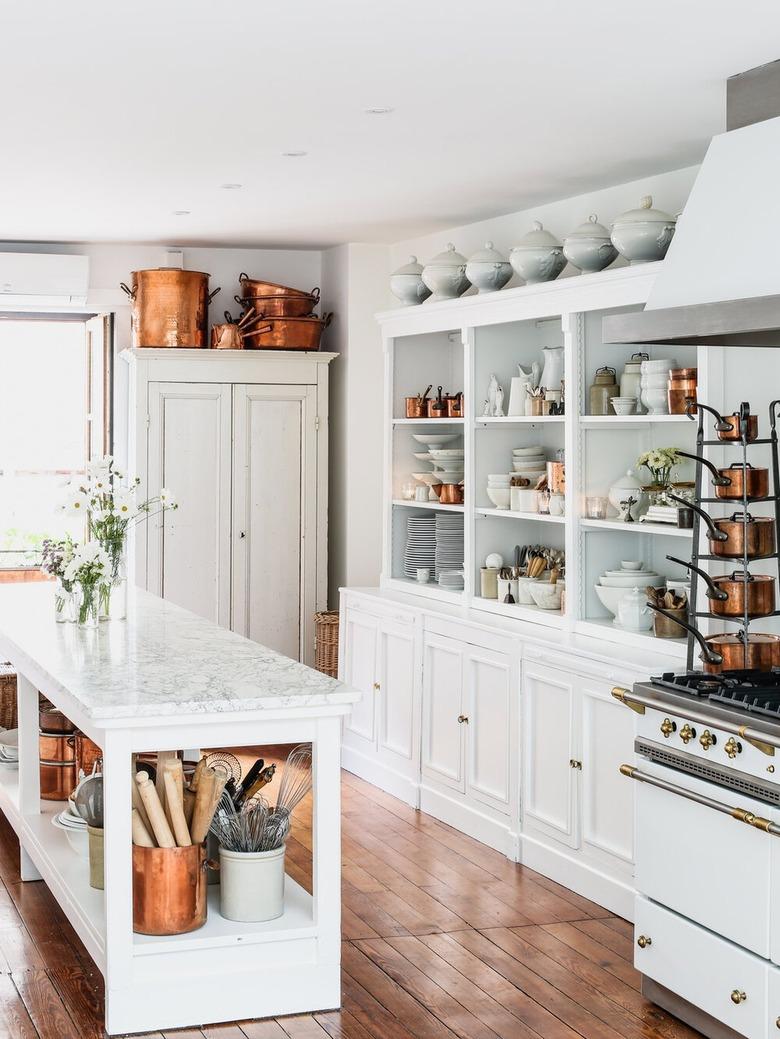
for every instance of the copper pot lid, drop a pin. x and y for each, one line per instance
(755, 638)
(170, 270)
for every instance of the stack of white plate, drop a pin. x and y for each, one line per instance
(448, 463)
(452, 580)
(446, 459)
(530, 462)
(449, 545)
(74, 828)
(420, 548)
(9, 748)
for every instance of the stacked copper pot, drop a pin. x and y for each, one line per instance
(286, 318)
(169, 308)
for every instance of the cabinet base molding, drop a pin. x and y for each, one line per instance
(686, 1012)
(465, 817)
(587, 880)
(381, 775)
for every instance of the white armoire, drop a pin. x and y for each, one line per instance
(241, 439)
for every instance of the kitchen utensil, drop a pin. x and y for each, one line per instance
(296, 778)
(225, 761)
(169, 889)
(589, 246)
(732, 427)
(546, 594)
(252, 773)
(451, 494)
(406, 283)
(255, 287)
(226, 337)
(414, 407)
(161, 829)
(738, 593)
(538, 257)
(174, 805)
(210, 788)
(88, 799)
(603, 388)
(455, 405)
(141, 835)
(169, 307)
(88, 754)
(57, 767)
(263, 779)
(643, 234)
(736, 481)
(436, 406)
(241, 830)
(287, 333)
(738, 536)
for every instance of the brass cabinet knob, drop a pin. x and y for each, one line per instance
(732, 747)
(668, 727)
(462, 718)
(707, 739)
(376, 686)
(738, 997)
(643, 941)
(687, 733)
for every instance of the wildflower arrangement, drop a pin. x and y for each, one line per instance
(659, 463)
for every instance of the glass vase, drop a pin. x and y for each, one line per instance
(64, 603)
(88, 605)
(113, 593)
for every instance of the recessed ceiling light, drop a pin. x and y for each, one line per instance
(379, 111)
(181, 212)
(231, 187)
(294, 155)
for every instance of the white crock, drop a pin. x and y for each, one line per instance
(644, 234)
(406, 284)
(538, 256)
(589, 247)
(488, 270)
(445, 274)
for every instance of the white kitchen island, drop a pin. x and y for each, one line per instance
(165, 679)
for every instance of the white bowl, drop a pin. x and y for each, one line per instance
(430, 478)
(529, 469)
(500, 479)
(631, 564)
(547, 596)
(633, 579)
(77, 839)
(499, 496)
(627, 407)
(422, 456)
(532, 449)
(450, 477)
(447, 452)
(433, 440)
(610, 597)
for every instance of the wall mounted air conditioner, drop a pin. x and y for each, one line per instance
(31, 280)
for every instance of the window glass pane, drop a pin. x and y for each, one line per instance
(42, 431)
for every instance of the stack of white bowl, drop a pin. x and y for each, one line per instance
(447, 460)
(530, 462)
(654, 381)
(498, 489)
(447, 463)
(74, 828)
(612, 585)
(624, 405)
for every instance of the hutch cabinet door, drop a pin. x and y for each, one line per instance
(189, 451)
(442, 732)
(359, 670)
(274, 517)
(488, 707)
(549, 767)
(397, 675)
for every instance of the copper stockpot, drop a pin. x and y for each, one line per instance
(731, 652)
(681, 389)
(737, 593)
(437, 406)
(737, 481)
(52, 720)
(455, 405)
(450, 493)
(737, 536)
(88, 753)
(415, 407)
(730, 427)
(169, 889)
(170, 307)
(57, 749)
(255, 287)
(279, 306)
(289, 333)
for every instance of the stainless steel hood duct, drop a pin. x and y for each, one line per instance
(720, 282)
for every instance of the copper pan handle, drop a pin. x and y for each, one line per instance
(230, 320)
(243, 276)
(715, 533)
(211, 295)
(326, 319)
(713, 592)
(717, 479)
(127, 290)
(259, 331)
(315, 292)
(706, 653)
(722, 425)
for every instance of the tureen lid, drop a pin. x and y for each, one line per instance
(590, 229)
(487, 255)
(644, 214)
(538, 239)
(448, 258)
(412, 267)
(627, 482)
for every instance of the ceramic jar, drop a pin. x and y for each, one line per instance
(633, 613)
(589, 247)
(602, 390)
(406, 284)
(621, 492)
(488, 270)
(445, 274)
(631, 378)
(538, 256)
(643, 234)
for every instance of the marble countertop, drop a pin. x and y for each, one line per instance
(161, 661)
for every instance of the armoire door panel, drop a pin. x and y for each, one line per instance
(273, 514)
(189, 449)
(488, 706)
(442, 732)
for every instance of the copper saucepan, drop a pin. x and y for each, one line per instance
(255, 287)
(729, 427)
(732, 652)
(737, 481)
(730, 594)
(278, 306)
(738, 536)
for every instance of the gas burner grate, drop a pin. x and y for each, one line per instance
(757, 692)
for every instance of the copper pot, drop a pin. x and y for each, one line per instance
(437, 406)
(278, 306)
(169, 889)
(450, 494)
(556, 477)
(290, 333)
(738, 593)
(170, 307)
(58, 774)
(51, 719)
(455, 405)
(737, 481)
(254, 287)
(88, 754)
(57, 749)
(738, 536)
(681, 389)
(415, 407)
(731, 427)
(731, 652)
(226, 337)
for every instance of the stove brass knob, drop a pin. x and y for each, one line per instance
(707, 739)
(643, 941)
(668, 727)
(732, 747)
(738, 997)
(687, 733)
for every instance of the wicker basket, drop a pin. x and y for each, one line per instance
(326, 643)
(8, 717)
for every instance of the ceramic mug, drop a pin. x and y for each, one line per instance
(423, 574)
(557, 504)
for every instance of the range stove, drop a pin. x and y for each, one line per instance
(755, 692)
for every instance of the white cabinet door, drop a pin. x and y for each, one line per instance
(488, 699)
(189, 451)
(549, 718)
(359, 670)
(274, 503)
(442, 732)
(607, 799)
(774, 1000)
(397, 674)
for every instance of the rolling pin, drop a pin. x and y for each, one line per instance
(210, 789)
(173, 768)
(197, 773)
(189, 805)
(175, 809)
(141, 835)
(154, 810)
(138, 805)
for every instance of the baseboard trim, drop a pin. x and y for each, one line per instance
(379, 774)
(469, 820)
(615, 895)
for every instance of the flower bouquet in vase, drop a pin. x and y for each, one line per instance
(56, 557)
(87, 572)
(660, 463)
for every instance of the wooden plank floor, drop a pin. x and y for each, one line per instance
(443, 938)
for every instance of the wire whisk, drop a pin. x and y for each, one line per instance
(245, 830)
(296, 778)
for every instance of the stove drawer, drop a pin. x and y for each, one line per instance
(723, 980)
(701, 862)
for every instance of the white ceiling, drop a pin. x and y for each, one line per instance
(117, 114)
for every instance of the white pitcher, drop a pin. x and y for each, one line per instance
(552, 373)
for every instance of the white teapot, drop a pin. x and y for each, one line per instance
(633, 612)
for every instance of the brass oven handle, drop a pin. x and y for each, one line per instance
(741, 815)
